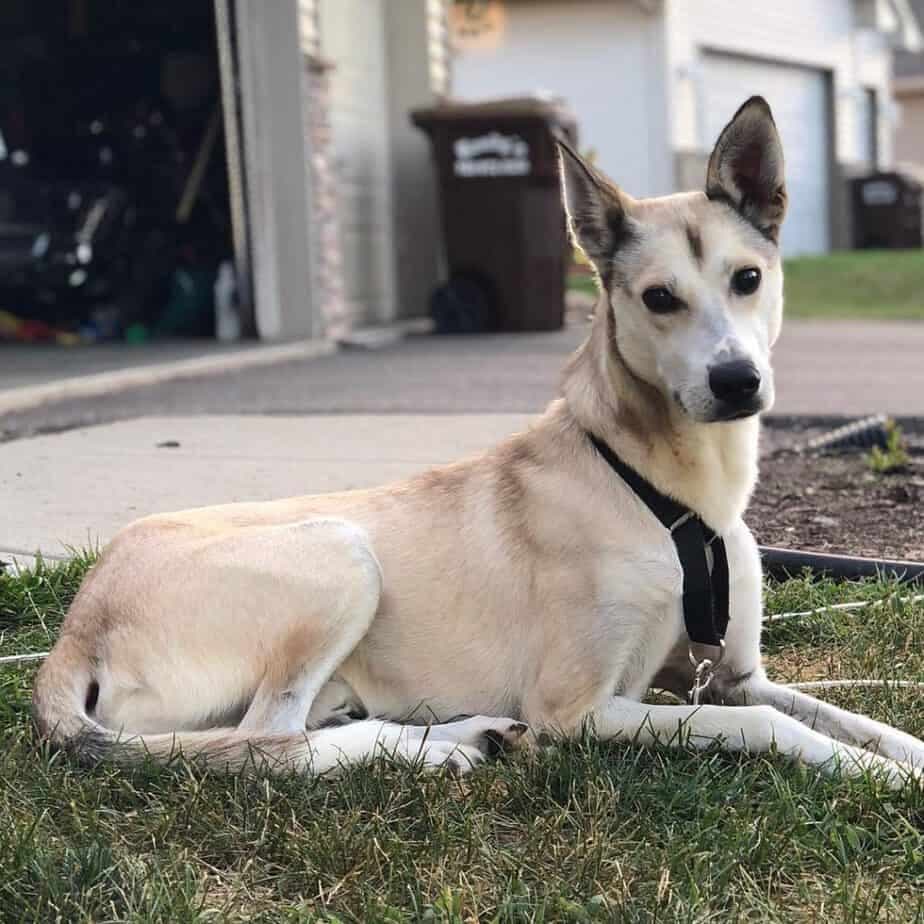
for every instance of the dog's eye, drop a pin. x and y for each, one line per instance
(660, 300)
(746, 281)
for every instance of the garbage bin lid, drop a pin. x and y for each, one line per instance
(541, 106)
(913, 172)
(905, 176)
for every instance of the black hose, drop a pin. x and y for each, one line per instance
(786, 563)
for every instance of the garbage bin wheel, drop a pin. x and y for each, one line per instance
(463, 305)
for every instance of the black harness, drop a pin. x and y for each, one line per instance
(700, 550)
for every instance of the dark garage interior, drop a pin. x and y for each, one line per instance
(114, 204)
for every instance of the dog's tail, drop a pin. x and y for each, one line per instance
(64, 698)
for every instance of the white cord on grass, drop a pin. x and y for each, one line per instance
(831, 684)
(20, 659)
(841, 608)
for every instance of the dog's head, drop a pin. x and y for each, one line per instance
(693, 282)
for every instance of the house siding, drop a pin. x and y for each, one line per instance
(555, 47)
(819, 34)
(909, 137)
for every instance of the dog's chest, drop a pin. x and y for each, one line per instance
(640, 589)
(639, 613)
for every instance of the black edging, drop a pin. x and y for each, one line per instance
(787, 563)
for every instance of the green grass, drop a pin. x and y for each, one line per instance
(582, 832)
(857, 284)
(871, 284)
(582, 282)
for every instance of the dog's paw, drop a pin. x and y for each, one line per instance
(900, 776)
(893, 773)
(908, 774)
(450, 756)
(489, 734)
(455, 746)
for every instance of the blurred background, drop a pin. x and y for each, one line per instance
(288, 169)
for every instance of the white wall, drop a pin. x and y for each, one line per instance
(606, 59)
(353, 38)
(416, 65)
(275, 159)
(389, 57)
(816, 33)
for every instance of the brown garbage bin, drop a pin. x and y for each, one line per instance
(503, 222)
(887, 211)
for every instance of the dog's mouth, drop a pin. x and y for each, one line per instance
(726, 412)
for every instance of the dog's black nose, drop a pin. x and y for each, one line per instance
(735, 381)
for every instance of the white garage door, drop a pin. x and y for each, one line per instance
(799, 102)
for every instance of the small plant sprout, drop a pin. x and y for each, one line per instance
(894, 458)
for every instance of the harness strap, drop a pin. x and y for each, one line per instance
(705, 583)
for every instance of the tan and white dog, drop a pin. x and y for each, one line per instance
(527, 582)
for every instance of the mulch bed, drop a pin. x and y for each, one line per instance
(834, 502)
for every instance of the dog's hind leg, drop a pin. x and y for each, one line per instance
(339, 608)
(219, 627)
(336, 704)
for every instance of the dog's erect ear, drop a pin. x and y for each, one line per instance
(746, 168)
(596, 209)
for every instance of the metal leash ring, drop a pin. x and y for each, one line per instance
(701, 680)
(703, 672)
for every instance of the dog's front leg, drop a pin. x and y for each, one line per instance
(848, 727)
(752, 729)
(743, 681)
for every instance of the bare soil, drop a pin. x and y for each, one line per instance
(835, 502)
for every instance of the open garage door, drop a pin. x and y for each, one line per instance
(799, 99)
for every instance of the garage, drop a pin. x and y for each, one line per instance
(799, 99)
(114, 208)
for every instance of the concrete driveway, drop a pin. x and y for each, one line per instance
(823, 368)
(850, 368)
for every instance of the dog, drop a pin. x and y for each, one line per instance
(528, 588)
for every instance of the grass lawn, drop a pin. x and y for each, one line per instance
(857, 284)
(871, 284)
(583, 832)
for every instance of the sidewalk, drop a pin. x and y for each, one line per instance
(75, 489)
